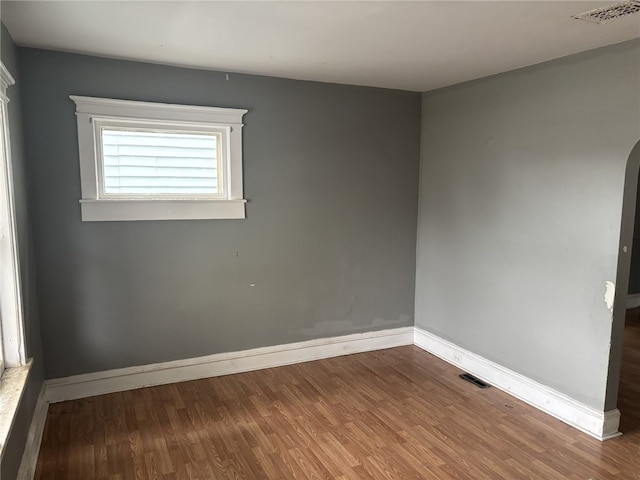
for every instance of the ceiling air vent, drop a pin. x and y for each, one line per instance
(612, 12)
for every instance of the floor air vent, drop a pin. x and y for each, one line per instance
(612, 12)
(476, 381)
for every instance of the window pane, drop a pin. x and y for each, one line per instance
(161, 163)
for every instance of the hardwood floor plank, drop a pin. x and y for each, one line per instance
(391, 414)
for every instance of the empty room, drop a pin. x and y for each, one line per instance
(319, 240)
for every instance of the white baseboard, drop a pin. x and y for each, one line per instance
(633, 300)
(601, 425)
(99, 383)
(34, 438)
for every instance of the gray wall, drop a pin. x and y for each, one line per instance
(521, 188)
(330, 172)
(15, 444)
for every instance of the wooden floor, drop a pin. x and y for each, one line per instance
(391, 414)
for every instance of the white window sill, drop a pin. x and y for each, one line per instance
(154, 209)
(12, 386)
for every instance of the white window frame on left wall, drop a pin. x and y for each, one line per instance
(10, 289)
(15, 364)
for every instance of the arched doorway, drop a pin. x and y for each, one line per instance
(627, 224)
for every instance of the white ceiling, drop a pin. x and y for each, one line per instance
(419, 45)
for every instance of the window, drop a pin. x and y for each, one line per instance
(12, 352)
(155, 161)
(14, 368)
(140, 163)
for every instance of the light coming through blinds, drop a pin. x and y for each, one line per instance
(160, 163)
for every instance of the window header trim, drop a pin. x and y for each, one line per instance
(131, 109)
(6, 80)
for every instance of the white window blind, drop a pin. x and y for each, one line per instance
(161, 163)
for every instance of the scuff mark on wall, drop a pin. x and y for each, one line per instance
(609, 294)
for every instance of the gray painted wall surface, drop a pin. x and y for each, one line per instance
(521, 186)
(15, 445)
(331, 175)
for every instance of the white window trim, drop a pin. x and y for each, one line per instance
(14, 377)
(92, 112)
(11, 314)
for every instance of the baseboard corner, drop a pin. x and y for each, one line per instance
(610, 424)
(593, 422)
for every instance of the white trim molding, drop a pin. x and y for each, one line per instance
(6, 80)
(11, 313)
(600, 425)
(34, 438)
(94, 115)
(126, 210)
(88, 385)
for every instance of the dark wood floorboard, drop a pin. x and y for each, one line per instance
(391, 414)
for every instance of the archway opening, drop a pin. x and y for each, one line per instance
(621, 389)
